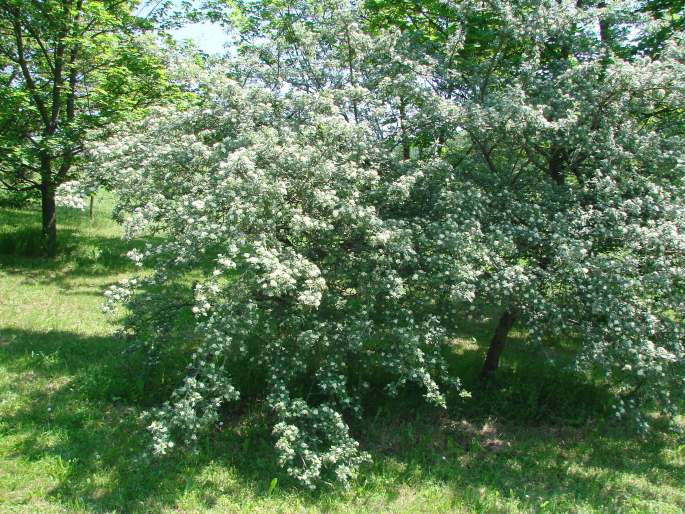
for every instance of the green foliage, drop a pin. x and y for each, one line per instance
(670, 18)
(345, 195)
(16, 198)
(356, 186)
(67, 67)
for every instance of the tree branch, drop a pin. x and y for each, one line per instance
(30, 83)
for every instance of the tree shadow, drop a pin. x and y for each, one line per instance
(22, 245)
(559, 466)
(86, 250)
(80, 405)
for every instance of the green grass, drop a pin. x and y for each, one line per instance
(71, 439)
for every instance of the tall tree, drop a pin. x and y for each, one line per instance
(65, 67)
(670, 15)
(493, 55)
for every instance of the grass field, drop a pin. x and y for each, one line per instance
(71, 439)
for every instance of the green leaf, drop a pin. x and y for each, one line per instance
(273, 485)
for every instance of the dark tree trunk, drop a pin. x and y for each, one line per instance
(499, 338)
(605, 35)
(406, 151)
(556, 165)
(49, 219)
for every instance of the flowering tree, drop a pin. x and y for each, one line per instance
(275, 198)
(344, 193)
(67, 67)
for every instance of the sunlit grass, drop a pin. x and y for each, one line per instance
(71, 439)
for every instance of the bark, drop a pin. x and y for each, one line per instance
(350, 67)
(556, 165)
(406, 153)
(49, 219)
(604, 26)
(499, 338)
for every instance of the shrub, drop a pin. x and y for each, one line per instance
(334, 224)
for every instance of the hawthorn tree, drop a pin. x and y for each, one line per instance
(497, 57)
(347, 192)
(66, 67)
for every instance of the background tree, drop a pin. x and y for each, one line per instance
(670, 18)
(66, 66)
(496, 52)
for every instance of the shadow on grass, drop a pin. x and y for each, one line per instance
(21, 250)
(86, 249)
(535, 384)
(80, 405)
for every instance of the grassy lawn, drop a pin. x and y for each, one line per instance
(71, 439)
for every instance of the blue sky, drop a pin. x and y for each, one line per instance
(209, 37)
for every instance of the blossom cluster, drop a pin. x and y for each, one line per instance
(70, 194)
(339, 200)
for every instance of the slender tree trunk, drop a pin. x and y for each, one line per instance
(350, 67)
(90, 208)
(406, 151)
(604, 26)
(499, 338)
(556, 165)
(49, 219)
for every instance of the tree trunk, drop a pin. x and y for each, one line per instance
(556, 165)
(406, 150)
(605, 35)
(49, 219)
(499, 338)
(90, 209)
